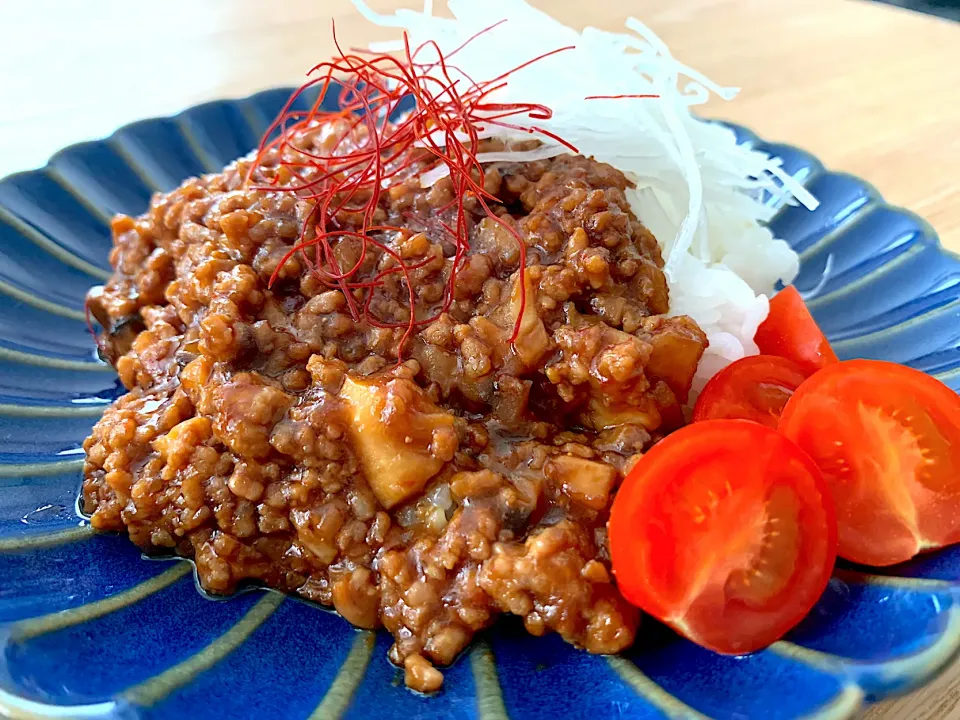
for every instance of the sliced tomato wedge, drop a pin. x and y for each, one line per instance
(791, 332)
(887, 439)
(724, 530)
(752, 388)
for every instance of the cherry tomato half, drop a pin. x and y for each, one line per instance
(752, 388)
(724, 530)
(791, 332)
(887, 439)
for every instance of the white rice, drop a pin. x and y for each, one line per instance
(696, 189)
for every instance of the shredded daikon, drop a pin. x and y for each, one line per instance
(696, 189)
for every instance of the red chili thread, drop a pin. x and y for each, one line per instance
(372, 152)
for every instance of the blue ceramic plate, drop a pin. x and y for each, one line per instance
(89, 628)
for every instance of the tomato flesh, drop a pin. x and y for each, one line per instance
(752, 388)
(725, 531)
(791, 332)
(887, 439)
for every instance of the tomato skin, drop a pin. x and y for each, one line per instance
(887, 439)
(791, 332)
(725, 531)
(752, 388)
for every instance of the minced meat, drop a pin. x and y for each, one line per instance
(271, 436)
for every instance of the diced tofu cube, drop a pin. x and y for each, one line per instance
(587, 482)
(604, 412)
(678, 345)
(532, 339)
(401, 437)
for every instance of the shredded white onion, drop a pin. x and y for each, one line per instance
(696, 189)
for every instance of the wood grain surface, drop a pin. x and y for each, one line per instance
(870, 89)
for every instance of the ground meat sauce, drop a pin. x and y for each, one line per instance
(273, 438)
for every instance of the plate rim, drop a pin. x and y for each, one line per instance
(851, 697)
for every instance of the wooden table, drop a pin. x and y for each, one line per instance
(869, 89)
